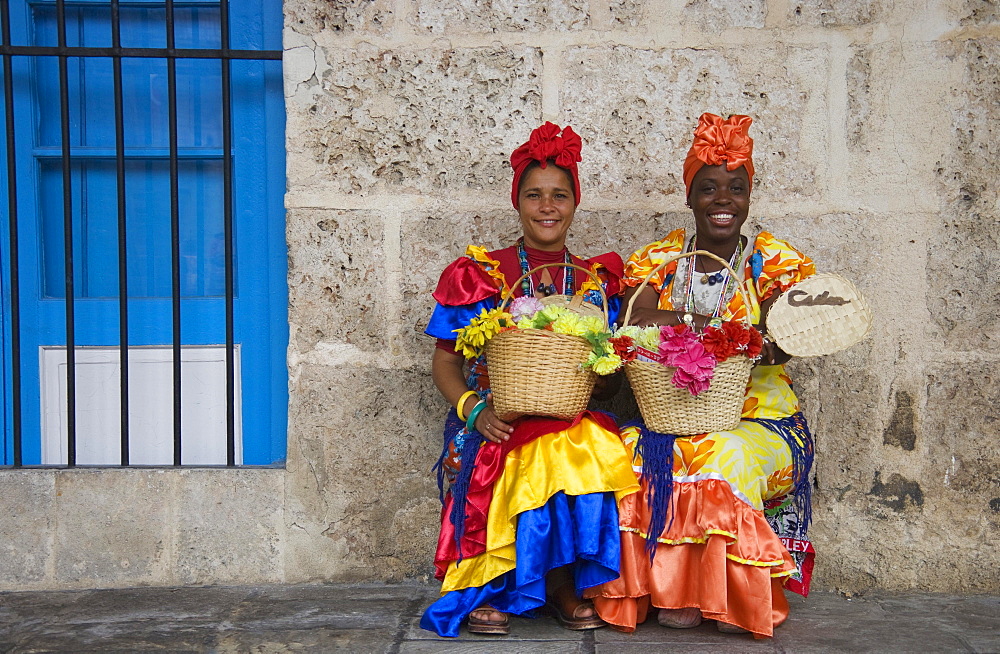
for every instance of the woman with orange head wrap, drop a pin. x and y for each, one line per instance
(695, 541)
(530, 514)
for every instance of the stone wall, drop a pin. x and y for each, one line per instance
(876, 137)
(875, 143)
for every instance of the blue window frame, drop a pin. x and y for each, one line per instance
(175, 253)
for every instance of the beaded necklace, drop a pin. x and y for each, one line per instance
(526, 290)
(728, 282)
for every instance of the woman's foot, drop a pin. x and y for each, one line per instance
(726, 628)
(687, 618)
(571, 611)
(487, 620)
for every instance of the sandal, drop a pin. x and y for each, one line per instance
(494, 627)
(727, 628)
(686, 618)
(574, 622)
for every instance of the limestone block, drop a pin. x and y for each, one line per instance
(894, 158)
(637, 109)
(847, 413)
(28, 518)
(310, 17)
(360, 471)
(838, 13)
(963, 271)
(626, 14)
(717, 15)
(113, 527)
(451, 16)
(850, 244)
(841, 400)
(961, 466)
(415, 120)
(962, 414)
(229, 526)
(335, 278)
(980, 12)
(887, 513)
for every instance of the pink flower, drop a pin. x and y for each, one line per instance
(525, 307)
(695, 368)
(694, 386)
(674, 342)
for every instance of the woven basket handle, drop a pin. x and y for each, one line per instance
(703, 253)
(595, 278)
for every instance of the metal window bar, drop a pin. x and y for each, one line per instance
(15, 296)
(175, 232)
(227, 226)
(116, 41)
(116, 53)
(67, 239)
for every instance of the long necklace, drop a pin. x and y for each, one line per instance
(526, 289)
(726, 279)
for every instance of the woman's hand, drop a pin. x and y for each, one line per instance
(646, 317)
(490, 426)
(645, 314)
(770, 353)
(657, 317)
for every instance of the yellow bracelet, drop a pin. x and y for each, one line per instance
(461, 403)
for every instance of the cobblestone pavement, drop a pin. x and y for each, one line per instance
(383, 618)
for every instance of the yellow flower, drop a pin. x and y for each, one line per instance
(649, 338)
(568, 323)
(592, 324)
(551, 312)
(632, 331)
(472, 339)
(604, 365)
(526, 323)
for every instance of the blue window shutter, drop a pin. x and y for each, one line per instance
(260, 266)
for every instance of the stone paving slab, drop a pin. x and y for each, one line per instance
(384, 618)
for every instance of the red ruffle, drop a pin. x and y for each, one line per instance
(464, 282)
(489, 464)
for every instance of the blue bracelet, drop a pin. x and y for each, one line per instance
(470, 424)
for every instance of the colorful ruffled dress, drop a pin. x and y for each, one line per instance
(546, 498)
(717, 548)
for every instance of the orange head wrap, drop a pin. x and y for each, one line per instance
(718, 141)
(545, 145)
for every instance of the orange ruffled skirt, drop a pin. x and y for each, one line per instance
(719, 554)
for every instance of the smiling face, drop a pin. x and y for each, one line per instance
(720, 200)
(546, 207)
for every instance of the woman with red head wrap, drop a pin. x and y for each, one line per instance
(530, 514)
(695, 541)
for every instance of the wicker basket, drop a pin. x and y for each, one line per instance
(538, 372)
(574, 303)
(671, 410)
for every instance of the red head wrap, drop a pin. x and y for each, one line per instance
(719, 141)
(546, 145)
